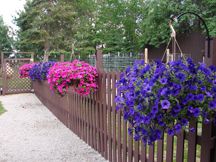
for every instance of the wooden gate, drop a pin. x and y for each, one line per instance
(11, 82)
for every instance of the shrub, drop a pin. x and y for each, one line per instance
(77, 74)
(158, 97)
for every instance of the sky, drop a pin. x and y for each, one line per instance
(9, 9)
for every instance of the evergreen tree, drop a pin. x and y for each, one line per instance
(5, 39)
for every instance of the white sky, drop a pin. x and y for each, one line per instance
(9, 9)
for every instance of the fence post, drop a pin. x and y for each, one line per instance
(32, 57)
(4, 79)
(62, 58)
(2, 71)
(100, 70)
(99, 61)
(146, 56)
(211, 61)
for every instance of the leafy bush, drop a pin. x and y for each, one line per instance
(158, 97)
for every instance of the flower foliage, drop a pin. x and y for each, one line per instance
(24, 70)
(77, 74)
(158, 97)
(40, 70)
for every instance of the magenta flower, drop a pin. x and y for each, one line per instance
(77, 75)
(24, 70)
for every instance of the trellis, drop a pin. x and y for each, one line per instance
(11, 82)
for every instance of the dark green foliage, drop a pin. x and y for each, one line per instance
(121, 25)
(5, 39)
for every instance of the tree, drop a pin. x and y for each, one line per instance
(209, 10)
(46, 26)
(121, 25)
(5, 39)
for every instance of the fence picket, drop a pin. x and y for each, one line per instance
(91, 122)
(104, 92)
(143, 153)
(85, 119)
(192, 142)
(151, 153)
(125, 141)
(119, 141)
(136, 151)
(114, 115)
(160, 149)
(95, 124)
(109, 117)
(206, 143)
(75, 114)
(130, 148)
(81, 116)
(169, 149)
(180, 147)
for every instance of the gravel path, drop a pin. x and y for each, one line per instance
(30, 133)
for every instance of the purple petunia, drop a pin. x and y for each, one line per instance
(165, 104)
(163, 81)
(164, 92)
(185, 90)
(170, 132)
(192, 130)
(212, 105)
(199, 97)
(181, 76)
(177, 128)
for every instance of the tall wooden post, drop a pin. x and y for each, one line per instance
(146, 56)
(99, 61)
(62, 58)
(32, 57)
(100, 70)
(3, 73)
(211, 61)
(2, 59)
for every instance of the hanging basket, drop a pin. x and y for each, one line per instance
(159, 98)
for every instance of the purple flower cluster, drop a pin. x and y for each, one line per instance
(158, 97)
(40, 70)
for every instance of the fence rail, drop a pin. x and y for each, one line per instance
(95, 120)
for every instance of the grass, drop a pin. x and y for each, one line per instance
(2, 110)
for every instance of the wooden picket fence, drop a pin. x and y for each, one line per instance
(95, 120)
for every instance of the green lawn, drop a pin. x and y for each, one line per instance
(2, 110)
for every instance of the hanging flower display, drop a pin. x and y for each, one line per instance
(24, 70)
(77, 74)
(40, 70)
(158, 98)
